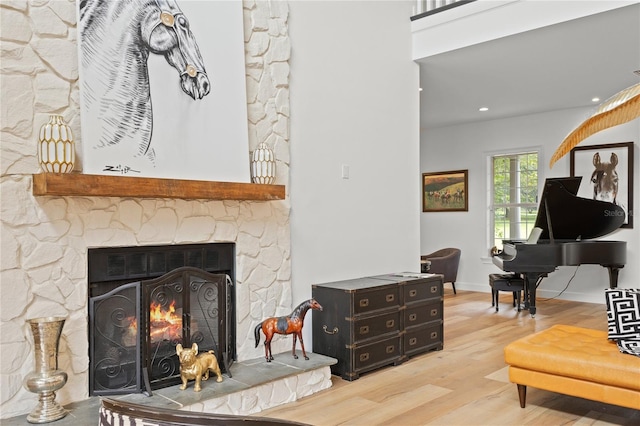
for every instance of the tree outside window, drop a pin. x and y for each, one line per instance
(515, 196)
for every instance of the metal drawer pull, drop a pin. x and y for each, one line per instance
(364, 303)
(390, 297)
(364, 329)
(434, 312)
(413, 317)
(334, 331)
(390, 323)
(391, 349)
(434, 289)
(434, 334)
(413, 341)
(364, 357)
(413, 293)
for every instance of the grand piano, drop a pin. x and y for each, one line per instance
(567, 223)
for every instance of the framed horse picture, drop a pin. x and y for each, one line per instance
(163, 90)
(607, 174)
(445, 191)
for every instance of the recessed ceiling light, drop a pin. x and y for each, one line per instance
(483, 109)
(596, 99)
(420, 89)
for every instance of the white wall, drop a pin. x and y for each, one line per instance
(466, 147)
(354, 101)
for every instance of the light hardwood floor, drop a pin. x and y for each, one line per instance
(467, 382)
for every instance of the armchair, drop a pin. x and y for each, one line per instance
(445, 261)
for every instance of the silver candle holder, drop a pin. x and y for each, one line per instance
(46, 379)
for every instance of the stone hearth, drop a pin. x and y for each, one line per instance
(256, 386)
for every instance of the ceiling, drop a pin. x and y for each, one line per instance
(556, 67)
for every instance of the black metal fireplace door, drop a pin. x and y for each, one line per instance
(134, 329)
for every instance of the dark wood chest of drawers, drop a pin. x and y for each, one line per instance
(375, 321)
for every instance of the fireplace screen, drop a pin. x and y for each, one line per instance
(135, 329)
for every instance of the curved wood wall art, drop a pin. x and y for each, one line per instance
(624, 106)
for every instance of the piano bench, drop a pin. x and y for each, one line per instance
(574, 361)
(506, 282)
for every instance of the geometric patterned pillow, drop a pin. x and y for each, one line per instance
(629, 346)
(623, 318)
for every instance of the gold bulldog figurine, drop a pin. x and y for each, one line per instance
(194, 366)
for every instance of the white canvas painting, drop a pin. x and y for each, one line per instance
(163, 89)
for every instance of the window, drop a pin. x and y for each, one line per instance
(514, 190)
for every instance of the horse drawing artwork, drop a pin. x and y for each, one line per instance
(117, 38)
(290, 324)
(605, 178)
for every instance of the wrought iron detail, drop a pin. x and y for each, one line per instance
(130, 352)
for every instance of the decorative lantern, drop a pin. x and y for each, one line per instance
(263, 165)
(56, 148)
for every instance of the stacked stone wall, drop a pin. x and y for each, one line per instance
(43, 269)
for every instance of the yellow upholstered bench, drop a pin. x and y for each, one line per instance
(574, 361)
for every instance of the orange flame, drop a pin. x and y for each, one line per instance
(156, 313)
(165, 324)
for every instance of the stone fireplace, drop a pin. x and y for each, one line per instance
(45, 239)
(143, 301)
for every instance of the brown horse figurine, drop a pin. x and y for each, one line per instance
(290, 324)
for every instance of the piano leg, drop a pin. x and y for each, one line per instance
(613, 274)
(530, 292)
(530, 281)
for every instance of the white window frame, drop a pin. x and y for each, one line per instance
(490, 237)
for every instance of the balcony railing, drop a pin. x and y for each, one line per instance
(429, 7)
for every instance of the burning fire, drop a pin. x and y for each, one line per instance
(157, 314)
(163, 325)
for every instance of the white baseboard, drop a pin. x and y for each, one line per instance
(542, 293)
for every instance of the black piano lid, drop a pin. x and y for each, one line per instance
(574, 218)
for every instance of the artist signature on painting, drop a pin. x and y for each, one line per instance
(123, 170)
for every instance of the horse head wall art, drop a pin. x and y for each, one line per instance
(289, 324)
(607, 175)
(117, 39)
(605, 178)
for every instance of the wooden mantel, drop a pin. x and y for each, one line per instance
(78, 184)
